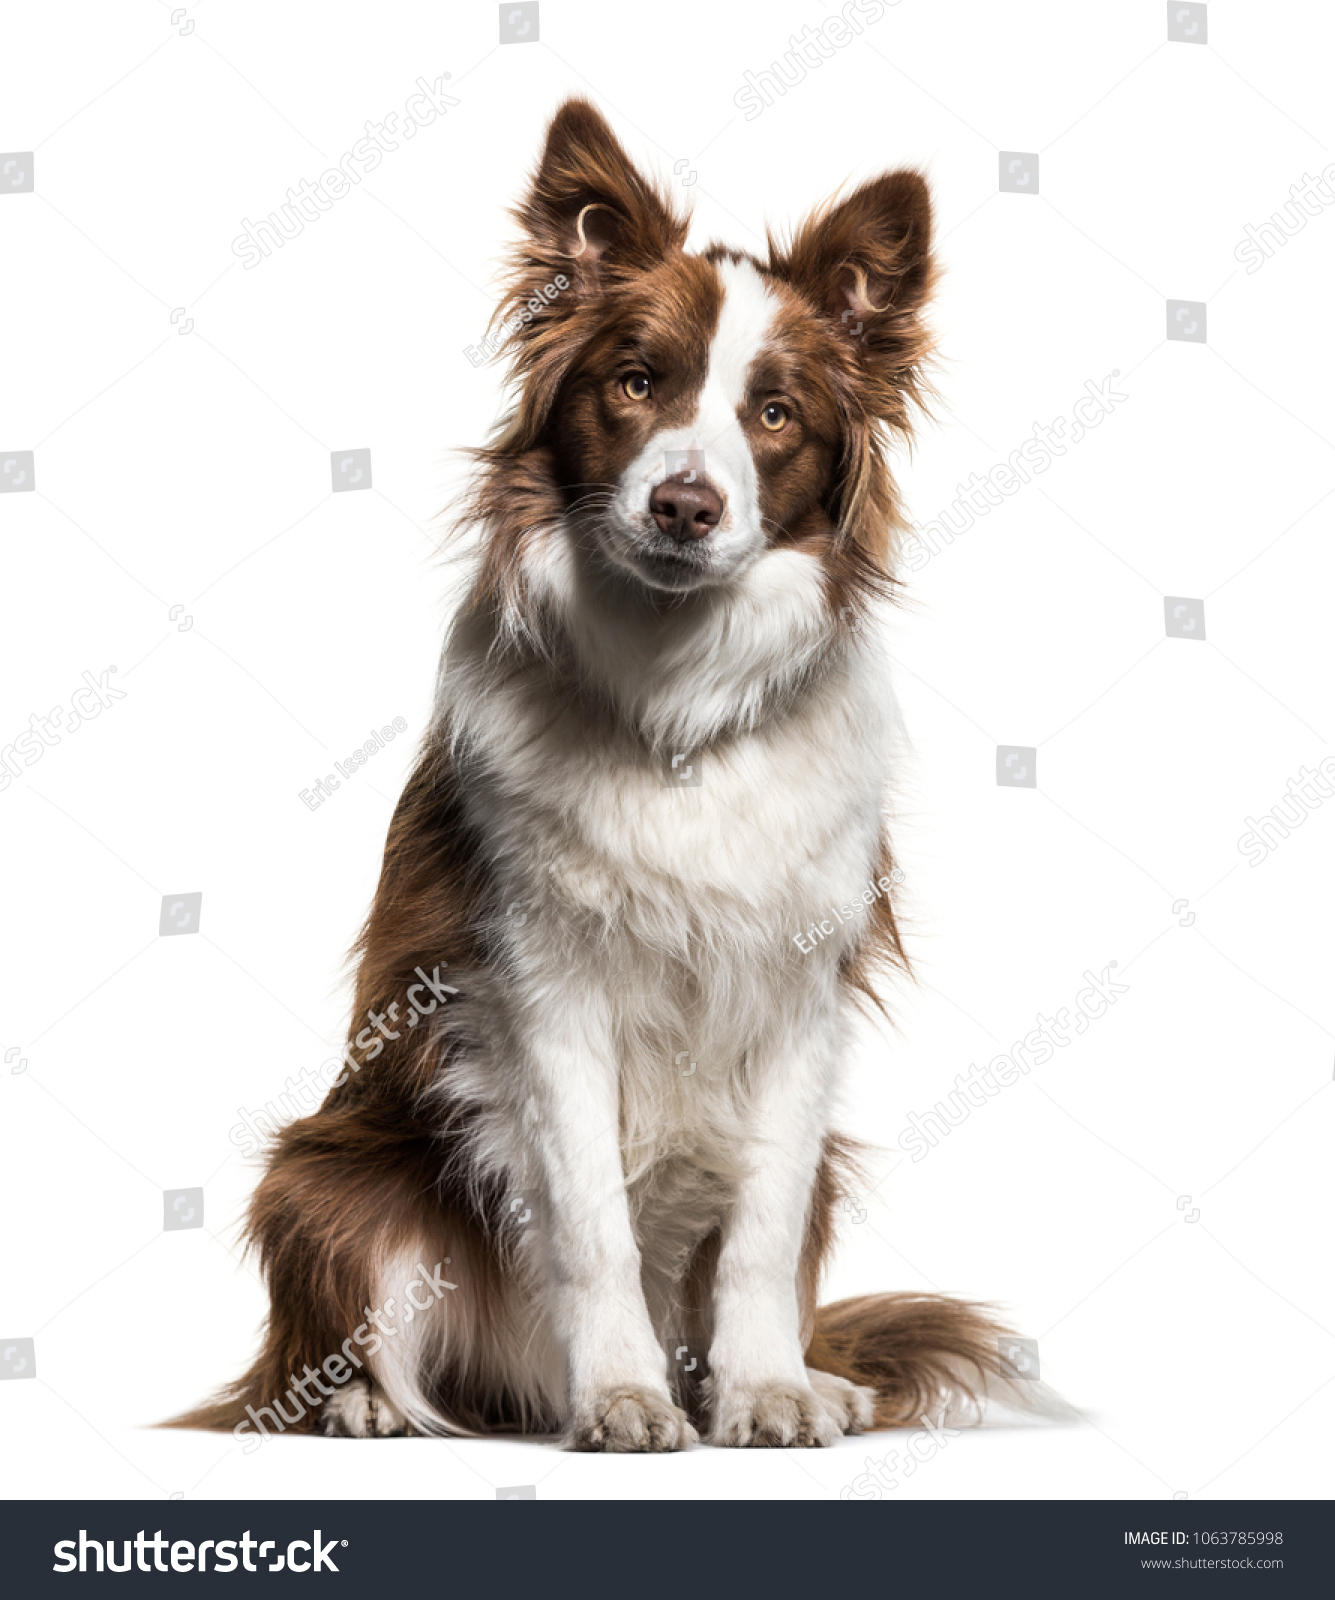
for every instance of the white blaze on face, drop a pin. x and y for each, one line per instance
(746, 318)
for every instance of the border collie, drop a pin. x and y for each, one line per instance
(642, 858)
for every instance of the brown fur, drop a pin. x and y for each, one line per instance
(374, 1168)
(910, 1348)
(914, 1350)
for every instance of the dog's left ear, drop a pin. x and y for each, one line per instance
(866, 262)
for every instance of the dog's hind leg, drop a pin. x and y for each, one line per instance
(471, 1350)
(393, 1307)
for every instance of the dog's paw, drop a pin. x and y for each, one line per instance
(785, 1416)
(361, 1411)
(631, 1418)
(850, 1401)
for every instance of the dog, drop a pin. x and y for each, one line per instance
(642, 863)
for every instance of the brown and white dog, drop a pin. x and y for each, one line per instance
(661, 741)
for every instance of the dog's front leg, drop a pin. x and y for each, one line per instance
(618, 1396)
(761, 1394)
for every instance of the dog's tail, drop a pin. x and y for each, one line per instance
(229, 1409)
(927, 1353)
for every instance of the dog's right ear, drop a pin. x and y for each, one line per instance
(589, 215)
(590, 223)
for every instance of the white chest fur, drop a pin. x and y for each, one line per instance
(676, 911)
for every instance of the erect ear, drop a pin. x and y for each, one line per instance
(866, 262)
(589, 214)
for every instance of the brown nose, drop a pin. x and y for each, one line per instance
(686, 511)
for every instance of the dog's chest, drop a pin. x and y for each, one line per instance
(737, 844)
(667, 897)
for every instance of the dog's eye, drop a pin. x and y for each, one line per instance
(636, 386)
(774, 416)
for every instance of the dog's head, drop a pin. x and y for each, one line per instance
(697, 413)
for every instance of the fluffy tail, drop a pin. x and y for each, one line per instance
(229, 1408)
(925, 1352)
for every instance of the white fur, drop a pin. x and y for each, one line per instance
(361, 1410)
(652, 925)
(745, 321)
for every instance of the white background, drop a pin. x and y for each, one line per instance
(194, 469)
